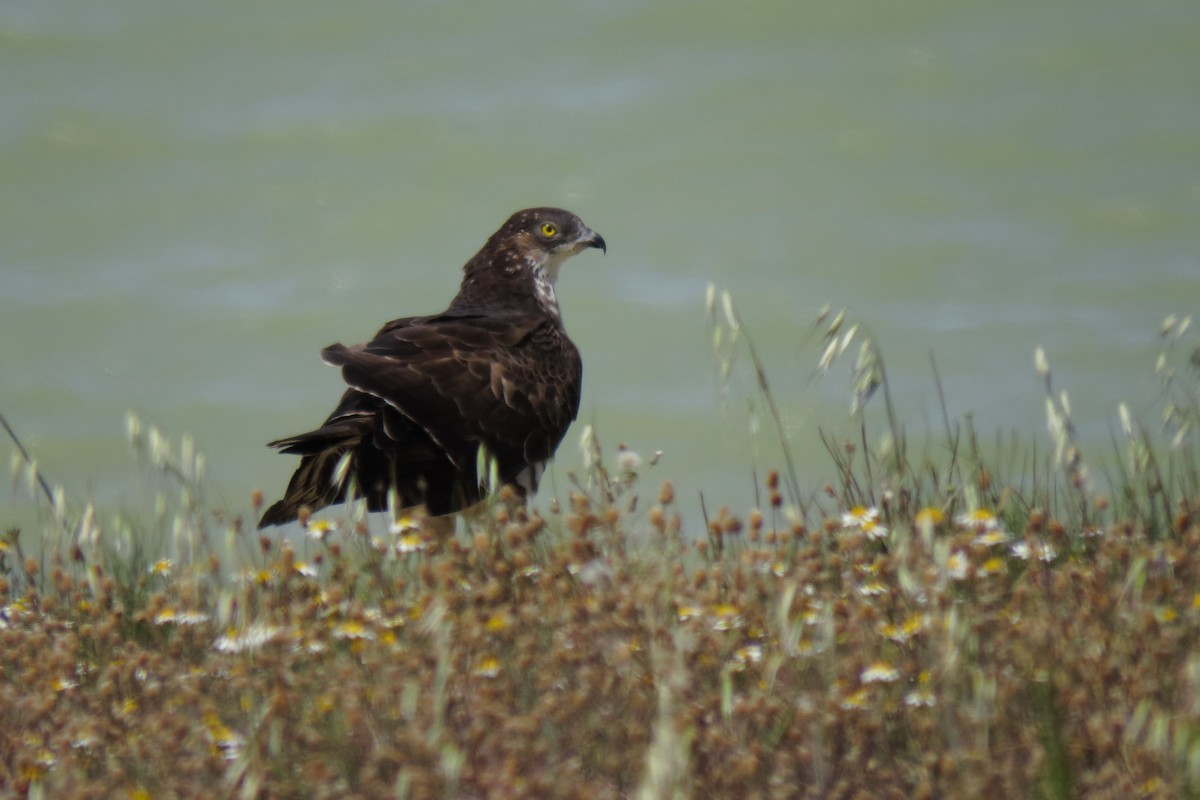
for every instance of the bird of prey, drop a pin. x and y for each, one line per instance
(494, 371)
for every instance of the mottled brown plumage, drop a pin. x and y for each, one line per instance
(495, 370)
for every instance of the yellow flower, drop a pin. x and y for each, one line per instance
(320, 528)
(748, 654)
(806, 647)
(405, 524)
(262, 577)
(353, 629)
(991, 538)
(872, 588)
(41, 764)
(929, 516)
(874, 529)
(727, 617)
(498, 621)
(162, 568)
(993, 566)
(488, 667)
(226, 741)
(901, 633)
(914, 624)
(880, 672)
(251, 638)
(171, 616)
(856, 701)
(859, 516)
(409, 543)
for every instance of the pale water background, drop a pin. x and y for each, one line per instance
(196, 197)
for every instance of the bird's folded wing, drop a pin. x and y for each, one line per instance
(467, 380)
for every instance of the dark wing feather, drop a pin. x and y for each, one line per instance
(508, 381)
(425, 394)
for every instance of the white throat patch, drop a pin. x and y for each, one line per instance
(545, 273)
(544, 286)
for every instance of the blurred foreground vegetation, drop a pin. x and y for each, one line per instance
(944, 625)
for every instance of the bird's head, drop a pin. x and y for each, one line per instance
(520, 262)
(545, 237)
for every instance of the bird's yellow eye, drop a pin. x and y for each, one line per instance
(548, 230)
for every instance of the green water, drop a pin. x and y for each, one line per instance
(197, 197)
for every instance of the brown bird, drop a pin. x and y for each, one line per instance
(493, 372)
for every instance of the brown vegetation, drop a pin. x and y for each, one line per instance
(918, 631)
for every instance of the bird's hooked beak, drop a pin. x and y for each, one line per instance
(592, 239)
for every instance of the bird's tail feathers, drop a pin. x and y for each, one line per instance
(340, 432)
(316, 483)
(312, 486)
